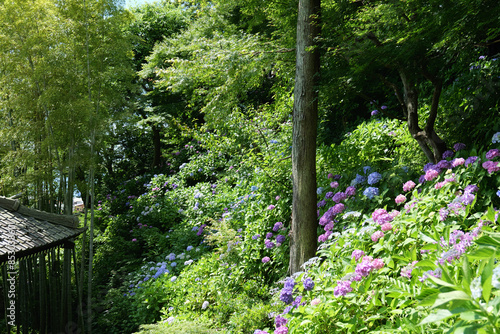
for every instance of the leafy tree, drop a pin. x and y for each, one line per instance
(413, 48)
(153, 23)
(63, 67)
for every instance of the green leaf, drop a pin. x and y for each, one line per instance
(488, 240)
(482, 253)
(486, 277)
(427, 238)
(466, 272)
(428, 296)
(305, 322)
(425, 263)
(436, 316)
(471, 316)
(445, 297)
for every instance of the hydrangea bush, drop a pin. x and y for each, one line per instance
(423, 263)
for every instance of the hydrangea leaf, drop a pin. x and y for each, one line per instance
(445, 297)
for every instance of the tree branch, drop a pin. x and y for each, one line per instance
(398, 93)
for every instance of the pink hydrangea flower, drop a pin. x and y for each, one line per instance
(357, 254)
(400, 199)
(439, 185)
(385, 227)
(330, 175)
(377, 235)
(377, 264)
(266, 259)
(458, 162)
(409, 185)
(270, 207)
(431, 174)
(315, 301)
(334, 184)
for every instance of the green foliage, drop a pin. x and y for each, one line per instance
(378, 143)
(177, 327)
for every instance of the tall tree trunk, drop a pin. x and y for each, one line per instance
(303, 244)
(157, 145)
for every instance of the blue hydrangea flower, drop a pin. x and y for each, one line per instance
(366, 169)
(373, 178)
(319, 190)
(371, 192)
(498, 193)
(496, 138)
(359, 179)
(254, 188)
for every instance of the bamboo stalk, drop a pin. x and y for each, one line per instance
(78, 283)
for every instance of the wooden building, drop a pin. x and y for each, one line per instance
(39, 289)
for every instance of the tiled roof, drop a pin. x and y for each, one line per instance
(27, 231)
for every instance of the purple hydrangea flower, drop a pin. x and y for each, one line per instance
(357, 254)
(491, 166)
(350, 191)
(444, 164)
(323, 237)
(280, 239)
(266, 259)
(281, 330)
(406, 271)
(287, 291)
(471, 188)
(330, 213)
(277, 226)
(280, 321)
(329, 194)
(448, 154)
(269, 244)
(471, 160)
(492, 154)
(342, 288)
(269, 235)
(459, 146)
(428, 166)
(340, 196)
(308, 284)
